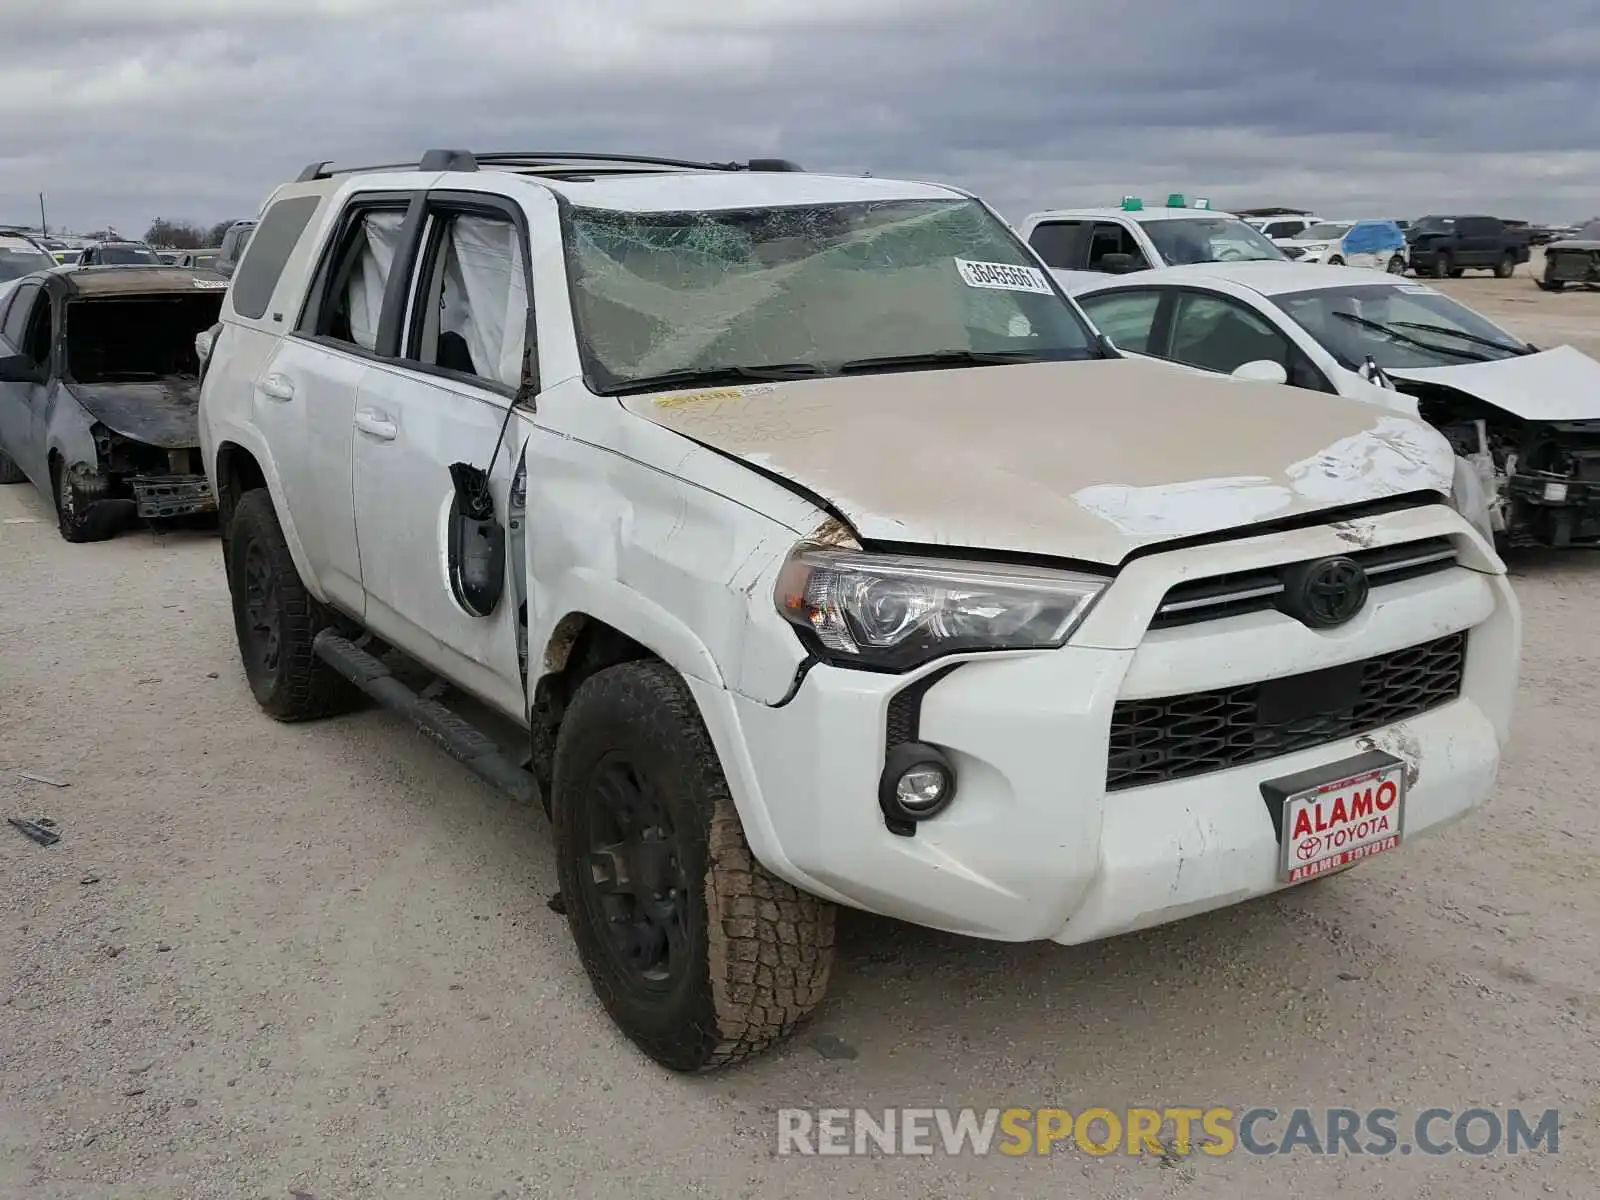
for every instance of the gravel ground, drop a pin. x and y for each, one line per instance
(318, 961)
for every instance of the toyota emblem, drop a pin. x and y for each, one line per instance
(1325, 593)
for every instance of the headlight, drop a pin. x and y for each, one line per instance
(891, 613)
(1317, 247)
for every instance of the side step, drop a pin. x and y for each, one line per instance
(462, 741)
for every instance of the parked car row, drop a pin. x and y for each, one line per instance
(824, 551)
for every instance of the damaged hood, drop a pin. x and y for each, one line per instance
(160, 412)
(1087, 460)
(1553, 385)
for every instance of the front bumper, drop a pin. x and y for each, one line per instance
(1554, 510)
(158, 497)
(1035, 846)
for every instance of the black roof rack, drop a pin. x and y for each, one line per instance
(554, 163)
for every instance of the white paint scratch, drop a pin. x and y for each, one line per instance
(1175, 509)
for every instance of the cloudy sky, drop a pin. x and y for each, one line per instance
(125, 110)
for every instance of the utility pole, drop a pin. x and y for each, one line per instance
(44, 230)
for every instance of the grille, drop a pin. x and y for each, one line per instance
(1178, 737)
(1259, 590)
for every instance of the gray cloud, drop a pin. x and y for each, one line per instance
(189, 108)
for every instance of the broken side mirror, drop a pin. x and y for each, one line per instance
(1261, 370)
(1118, 264)
(19, 368)
(477, 549)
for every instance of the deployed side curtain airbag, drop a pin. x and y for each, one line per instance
(485, 296)
(381, 231)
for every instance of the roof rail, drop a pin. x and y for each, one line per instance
(548, 162)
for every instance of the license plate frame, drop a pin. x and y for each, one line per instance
(1331, 817)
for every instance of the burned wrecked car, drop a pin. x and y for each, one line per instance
(1573, 260)
(99, 391)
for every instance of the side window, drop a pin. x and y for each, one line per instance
(16, 326)
(1220, 334)
(257, 275)
(39, 331)
(1109, 238)
(1480, 227)
(1059, 243)
(472, 312)
(357, 275)
(1282, 229)
(1124, 317)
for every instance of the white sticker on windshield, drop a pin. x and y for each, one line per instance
(1003, 277)
(218, 284)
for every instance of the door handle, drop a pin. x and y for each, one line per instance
(278, 387)
(372, 422)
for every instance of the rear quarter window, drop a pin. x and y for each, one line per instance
(268, 251)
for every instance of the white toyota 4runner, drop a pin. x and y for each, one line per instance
(826, 555)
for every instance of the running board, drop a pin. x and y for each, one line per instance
(464, 742)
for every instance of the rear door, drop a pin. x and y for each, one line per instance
(445, 405)
(305, 394)
(1481, 239)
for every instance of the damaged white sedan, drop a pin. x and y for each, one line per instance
(1525, 422)
(822, 555)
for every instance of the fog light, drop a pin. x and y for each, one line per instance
(918, 782)
(1556, 493)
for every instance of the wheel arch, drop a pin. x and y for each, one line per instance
(586, 640)
(242, 465)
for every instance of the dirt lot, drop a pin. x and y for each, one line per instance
(270, 961)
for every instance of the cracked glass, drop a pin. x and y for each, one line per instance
(811, 288)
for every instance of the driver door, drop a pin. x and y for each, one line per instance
(446, 404)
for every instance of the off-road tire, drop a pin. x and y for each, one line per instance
(296, 685)
(75, 520)
(758, 951)
(1505, 268)
(10, 472)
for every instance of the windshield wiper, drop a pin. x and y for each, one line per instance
(1390, 331)
(942, 358)
(1464, 336)
(712, 376)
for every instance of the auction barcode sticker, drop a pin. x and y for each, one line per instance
(1003, 276)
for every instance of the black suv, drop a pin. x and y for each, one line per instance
(1441, 246)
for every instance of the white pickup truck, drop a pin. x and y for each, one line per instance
(821, 553)
(1083, 245)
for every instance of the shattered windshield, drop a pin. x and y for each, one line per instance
(807, 290)
(1398, 325)
(1182, 240)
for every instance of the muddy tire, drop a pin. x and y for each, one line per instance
(1441, 265)
(76, 520)
(1505, 268)
(699, 955)
(1396, 266)
(276, 620)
